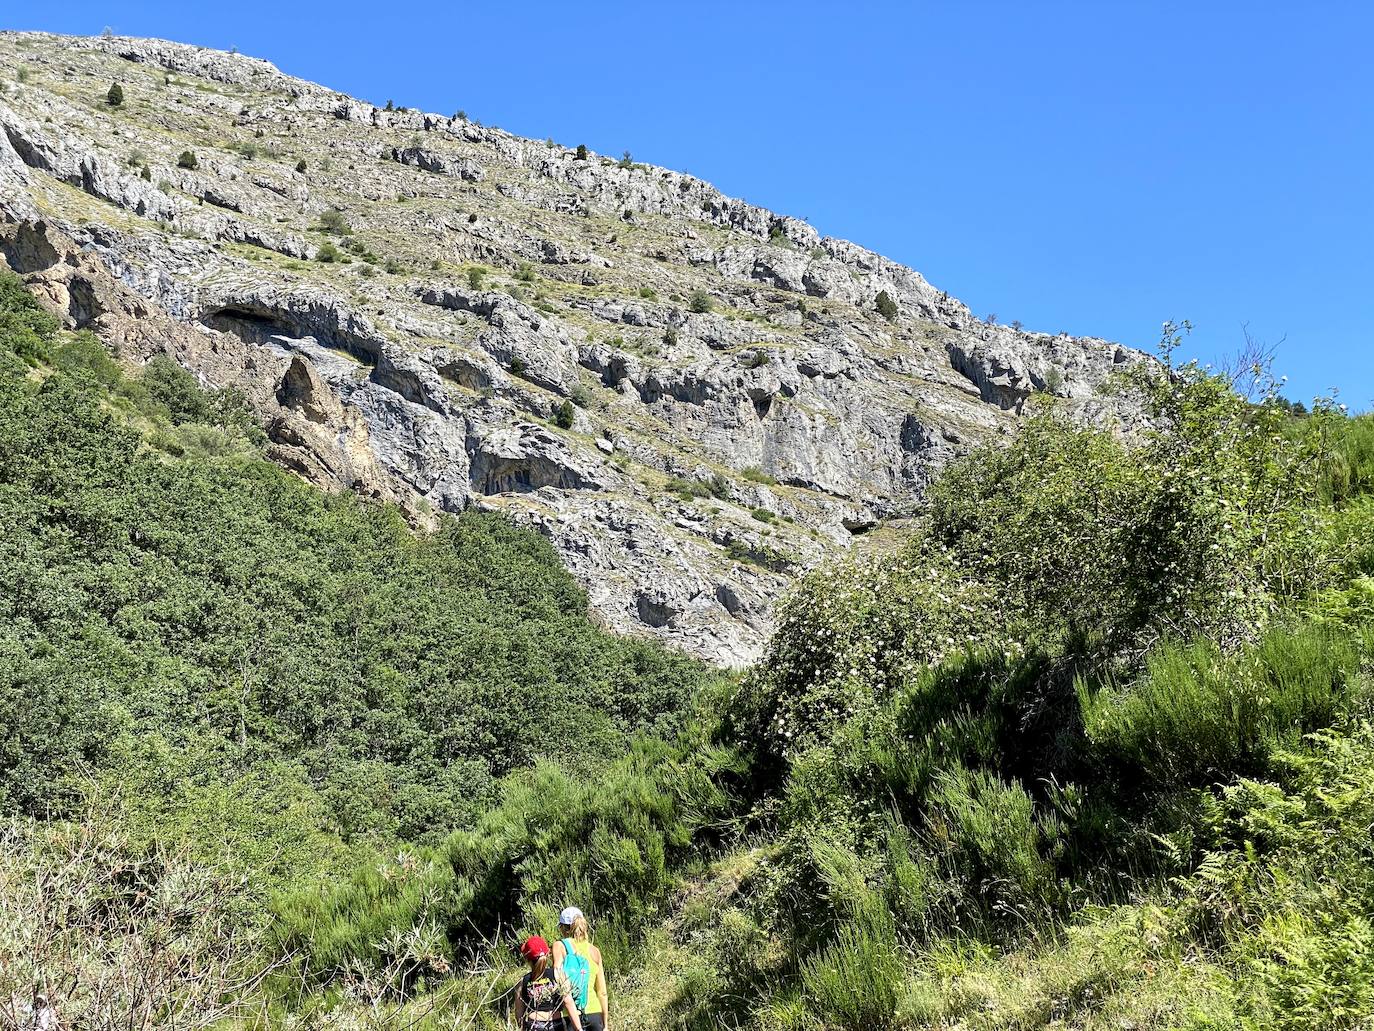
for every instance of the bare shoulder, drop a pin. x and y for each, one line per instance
(596, 953)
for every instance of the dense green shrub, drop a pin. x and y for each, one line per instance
(332, 220)
(991, 836)
(851, 637)
(218, 595)
(564, 414)
(1348, 458)
(1289, 887)
(26, 327)
(115, 97)
(886, 306)
(1193, 529)
(187, 159)
(609, 836)
(700, 302)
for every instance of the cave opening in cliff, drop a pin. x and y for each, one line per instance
(260, 329)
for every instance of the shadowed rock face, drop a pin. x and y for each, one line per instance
(692, 397)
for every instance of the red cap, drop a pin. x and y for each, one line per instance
(533, 947)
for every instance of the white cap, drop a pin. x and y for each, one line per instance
(569, 916)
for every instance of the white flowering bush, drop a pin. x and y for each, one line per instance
(850, 635)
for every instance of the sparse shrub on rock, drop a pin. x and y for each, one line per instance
(886, 306)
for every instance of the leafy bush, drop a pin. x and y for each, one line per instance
(219, 596)
(328, 253)
(475, 276)
(1194, 528)
(300, 165)
(581, 154)
(564, 415)
(187, 159)
(115, 97)
(851, 636)
(26, 327)
(886, 306)
(700, 302)
(332, 220)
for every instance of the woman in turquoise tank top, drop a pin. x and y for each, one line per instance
(573, 931)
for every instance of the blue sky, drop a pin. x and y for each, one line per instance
(1094, 168)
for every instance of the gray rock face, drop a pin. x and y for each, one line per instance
(692, 397)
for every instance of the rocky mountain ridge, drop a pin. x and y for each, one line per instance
(692, 397)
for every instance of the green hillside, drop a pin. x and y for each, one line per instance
(1091, 749)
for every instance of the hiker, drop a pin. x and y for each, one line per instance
(580, 960)
(543, 995)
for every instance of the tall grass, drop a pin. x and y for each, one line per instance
(856, 983)
(610, 841)
(1347, 469)
(1197, 714)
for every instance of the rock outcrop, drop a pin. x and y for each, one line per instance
(692, 397)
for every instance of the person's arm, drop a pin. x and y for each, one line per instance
(605, 999)
(570, 1008)
(559, 955)
(519, 1008)
(601, 992)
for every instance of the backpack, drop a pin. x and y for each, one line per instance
(550, 1000)
(579, 973)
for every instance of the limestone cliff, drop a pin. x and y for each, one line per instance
(692, 397)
